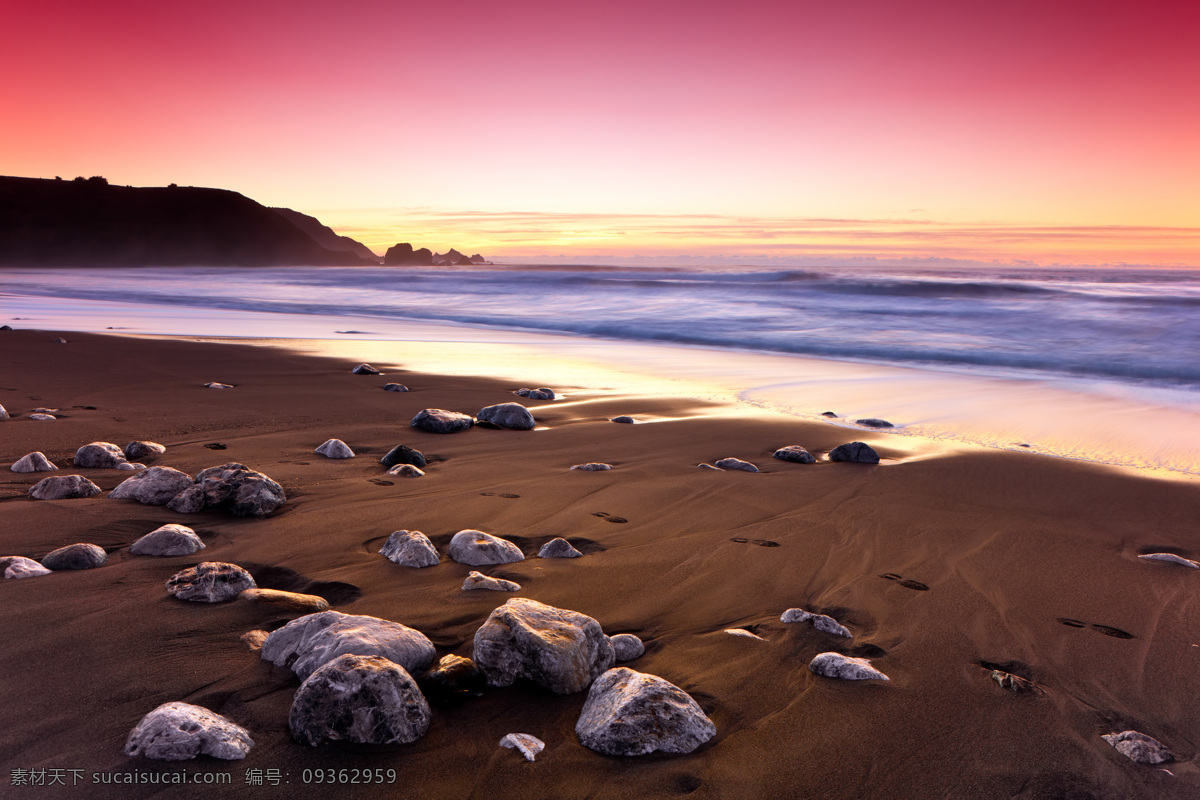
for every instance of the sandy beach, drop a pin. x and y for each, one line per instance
(994, 560)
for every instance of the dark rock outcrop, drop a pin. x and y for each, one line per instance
(512, 416)
(233, 486)
(403, 255)
(403, 454)
(856, 452)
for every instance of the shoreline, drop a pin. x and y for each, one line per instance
(1006, 544)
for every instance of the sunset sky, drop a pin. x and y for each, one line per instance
(1053, 131)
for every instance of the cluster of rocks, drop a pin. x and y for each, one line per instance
(857, 452)
(471, 547)
(511, 416)
(537, 394)
(232, 486)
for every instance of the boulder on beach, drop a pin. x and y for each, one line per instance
(629, 713)
(218, 385)
(735, 463)
(512, 416)
(156, 486)
(562, 650)
(452, 678)
(63, 487)
(626, 646)
(365, 369)
(874, 423)
(403, 454)
(558, 548)
(406, 471)
(42, 417)
(437, 420)
(624, 419)
(99, 455)
(167, 540)
(477, 580)
(478, 549)
(395, 387)
(536, 394)
(232, 486)
(179, 731)
(33, 462)
(210, 582)
(1171, 558)
(1139, 747)
(3, 412)
(593, 466)
(291, 601)
(794, 453)
(364, 699)
(856, 452)
(528, 745)
(75, 556)
(15, 567)
(335, 448)
(836, 665)
(138, 450)
(742, 632)
(410, 549)
(304, 644)
(818, 621)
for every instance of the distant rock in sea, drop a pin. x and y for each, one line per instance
(403, 255)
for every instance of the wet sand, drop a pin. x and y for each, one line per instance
(1007, 546)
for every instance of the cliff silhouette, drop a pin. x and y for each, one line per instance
(89, 223)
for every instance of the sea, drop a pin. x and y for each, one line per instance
(1096, 364)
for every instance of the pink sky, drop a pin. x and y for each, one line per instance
(1053, 131)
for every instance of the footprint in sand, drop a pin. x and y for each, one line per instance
(216, 446)
(604, 515)
(759, 542)
(509, 495)
(381, 482)
(1107, 630)
(916, 586)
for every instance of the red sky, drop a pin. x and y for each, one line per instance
(1056, 131)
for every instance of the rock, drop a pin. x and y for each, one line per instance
(406, 471)
(593, 466)
(292, 601)
(365, 369)
(60, 340)
(874, 423)
(858, 452)
(63, 487)
(168, 540)
(403, 454)
(234, 486)
(335, 448)
(410, 549)
(1170, 558)
(45, 410)
(541, 394)
(156, 486)
(829, 414)
(706, 465)
(522, 392)
(42, 417)
(99, 455)
(630, 713)
(1015, 682)
(513, 416)
(254, 639)
(529, 746)
(3, 411)
(215, 385)
(304, 644)
(1139, 747)
(623, 419)
(626, 646)
(210, 582)
(33, 462)
(75, 556)
(478, 549)
(436, 420)
(558, 548)
(836, 665)
(5, 327)
(794, 453)
(743, 633)
(403, 254)
(21, 567)
(453, 678)
(735, 463)
(129, 466)
(818, 621)
(395, 387)
(562, 650)
(138, 450)
(179, 731)
(477, 580)
(364, 699)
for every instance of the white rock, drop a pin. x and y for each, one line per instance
(42, 417)
(1139, 747)
(179, 731)
(33, 462)
(818, 621)
(558, 548)
(156, 486)
(210, 582)
(836, 665)
(477, 580)
(593, 466)
(477, 549)
(99, 455)
(626, 646)
(21, 567)
(706, 465)
(630, 713)
(736, 463)
(63, 487)
(529, 746)
(129, 466)
(1170, 558)
(215, 385)
(306, 643)
(335, 448)
(410, 549)
(3, 413)
(168, 540)
(406, 471)
(136, 450)
(743, 632)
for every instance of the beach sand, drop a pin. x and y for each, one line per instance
(1007, 544)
